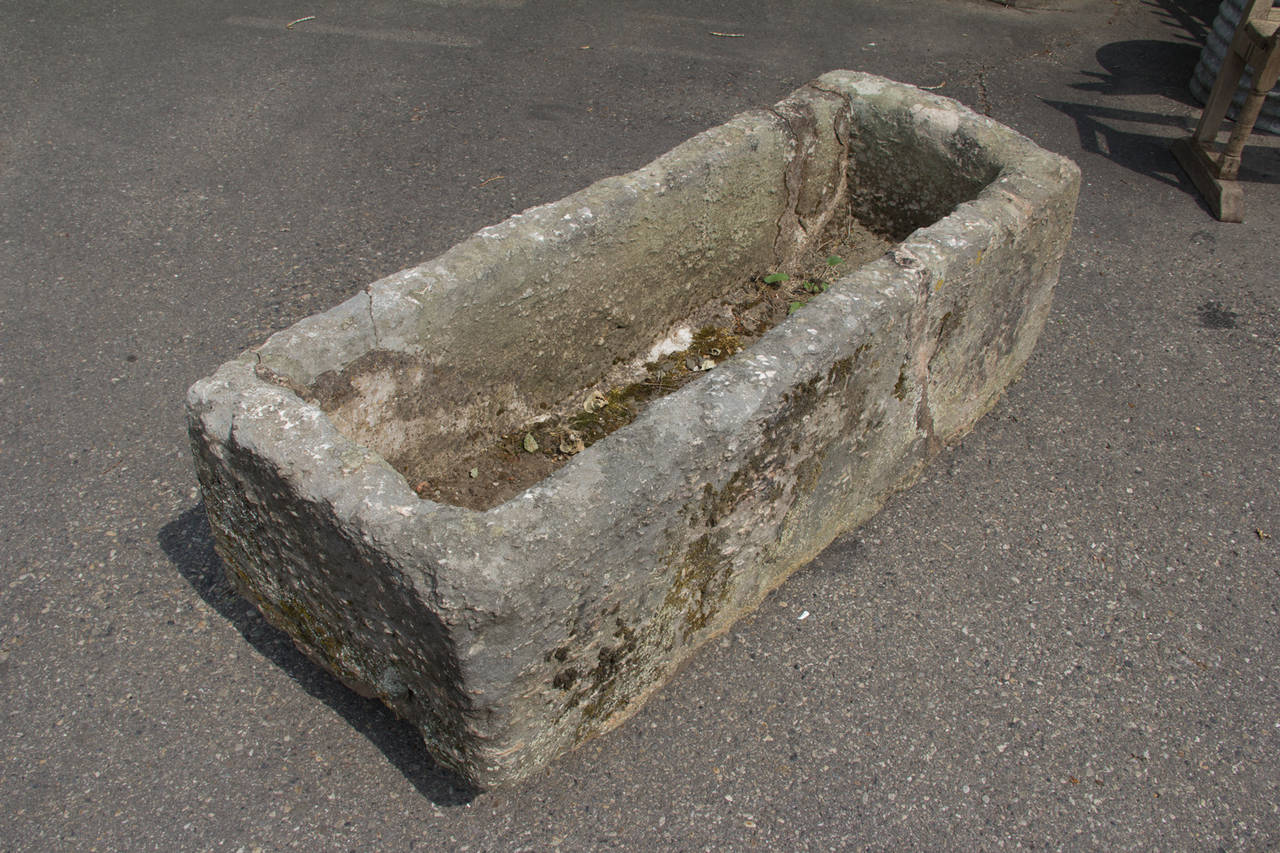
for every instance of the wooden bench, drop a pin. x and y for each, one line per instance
(1212, 168)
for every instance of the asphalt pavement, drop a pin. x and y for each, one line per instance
(1064, 637)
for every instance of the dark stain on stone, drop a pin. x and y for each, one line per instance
(842, 370)
(333, 388)
(807, 473)
(756, 477)
(700, 586)
(946, 327)
(266, 374)
(719, 504)
(900, 387)
(418, 386)
(606, 680)
(565, 679)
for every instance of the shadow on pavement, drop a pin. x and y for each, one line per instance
(1137, 139)
(1192, 17)
(1145, 67)
(188, 543)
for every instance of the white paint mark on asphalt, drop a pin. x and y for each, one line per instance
(320, 28)
(476, 4)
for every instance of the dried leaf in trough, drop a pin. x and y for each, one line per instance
(595, 402)
(530, 443)
(572, 443)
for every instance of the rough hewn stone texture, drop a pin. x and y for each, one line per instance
(510, 635)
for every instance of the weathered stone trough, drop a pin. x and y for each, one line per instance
(510, 634)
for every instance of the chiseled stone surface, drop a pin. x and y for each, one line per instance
(510, 635)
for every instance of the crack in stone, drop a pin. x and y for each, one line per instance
(983, 98)
(796, 232)
(790, 180)
(373, 323)
(924, 345)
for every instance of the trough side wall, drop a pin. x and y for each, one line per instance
(991, 261)
(308, 537)
(686, 535)
(965, 326)
(483, 339)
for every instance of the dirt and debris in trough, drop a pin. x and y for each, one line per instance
(501, 469)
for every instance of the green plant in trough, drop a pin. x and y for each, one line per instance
(804, 289)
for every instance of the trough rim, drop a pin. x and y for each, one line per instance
(354, 478)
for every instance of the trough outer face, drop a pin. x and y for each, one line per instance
(509, 636)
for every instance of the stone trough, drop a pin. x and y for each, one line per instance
(509, 633)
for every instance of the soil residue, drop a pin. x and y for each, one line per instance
(497, 470)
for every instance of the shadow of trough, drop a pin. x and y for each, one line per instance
(188, 543)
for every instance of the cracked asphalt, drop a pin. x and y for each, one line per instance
(1064, 637)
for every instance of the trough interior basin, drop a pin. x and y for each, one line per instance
(525, 324)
